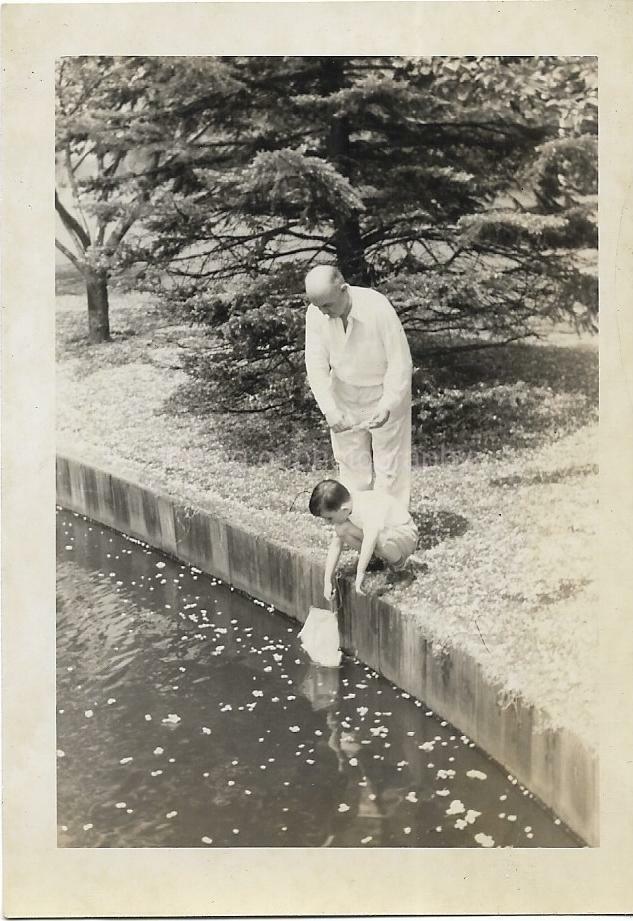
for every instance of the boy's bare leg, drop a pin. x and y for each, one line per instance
(350, 534)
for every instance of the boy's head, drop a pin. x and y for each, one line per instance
(331, 500)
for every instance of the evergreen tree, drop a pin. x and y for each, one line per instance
(464, 188)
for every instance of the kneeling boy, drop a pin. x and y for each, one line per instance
(370, 521)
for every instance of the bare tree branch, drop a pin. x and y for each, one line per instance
(72, 224)
(69, 255)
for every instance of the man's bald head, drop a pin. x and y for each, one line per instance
(327, 290)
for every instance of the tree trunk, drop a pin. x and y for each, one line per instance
(98, 310)
(350, 252)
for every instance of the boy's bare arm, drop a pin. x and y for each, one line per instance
(370, 536)
(332, 558)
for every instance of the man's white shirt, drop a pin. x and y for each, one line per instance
(372, 351)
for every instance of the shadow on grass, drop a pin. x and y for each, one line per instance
(543, 478)
(565, 369)
(566, 589)
(436, 526)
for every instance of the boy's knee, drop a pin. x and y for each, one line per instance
(388, 550)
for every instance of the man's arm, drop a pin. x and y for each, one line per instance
(333, 554)
(397, 380)
(318, 367)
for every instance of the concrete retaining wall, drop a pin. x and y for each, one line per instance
(554, 764)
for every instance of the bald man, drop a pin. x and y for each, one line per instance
(359, 369)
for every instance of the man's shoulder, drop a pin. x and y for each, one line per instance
(314, 315)
(370, 301)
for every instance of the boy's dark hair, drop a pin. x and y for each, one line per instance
(327, 496)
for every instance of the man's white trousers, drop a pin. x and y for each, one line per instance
(379, 458)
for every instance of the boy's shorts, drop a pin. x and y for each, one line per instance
(402, 537)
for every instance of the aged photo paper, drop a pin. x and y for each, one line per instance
(42, 880)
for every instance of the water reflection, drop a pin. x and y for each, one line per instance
(188, 715)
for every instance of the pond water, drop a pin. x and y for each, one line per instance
(189, 716)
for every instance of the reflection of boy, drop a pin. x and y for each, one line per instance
(370, 521)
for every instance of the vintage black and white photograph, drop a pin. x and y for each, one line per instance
(326, 451)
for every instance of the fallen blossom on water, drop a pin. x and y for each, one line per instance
(445, 774)
(484, 840)
(367, 839)
(111, 700)
(159, 751)
(461, 824)
(343, 807)
(412, 797)
(206, 840)
(170, 815)
(88, 826)
(206, 730)
(407, 830)
(172, 718)
(155, 773)
(478, 774)
(60, 753)
(471, 815)
(121, 805)
(294, 728)
(427, 746)
(148, 717)
(442, 792)
(512, 818)
(455, 807)
(126, 760)
(88, 713)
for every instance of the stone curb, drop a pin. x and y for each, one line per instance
(554, 764)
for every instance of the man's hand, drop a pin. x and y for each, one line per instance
(340, 424)
(379, 419)
(359, 585)
(328, 590)
(376, 421)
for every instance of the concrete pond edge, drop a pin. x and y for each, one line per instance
(553, 763)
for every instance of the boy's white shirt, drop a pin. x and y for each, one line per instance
(373, 510)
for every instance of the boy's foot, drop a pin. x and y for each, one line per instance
(375, 565)
(417, 564)
(400, 577)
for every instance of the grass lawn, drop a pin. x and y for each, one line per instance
(507, 511)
